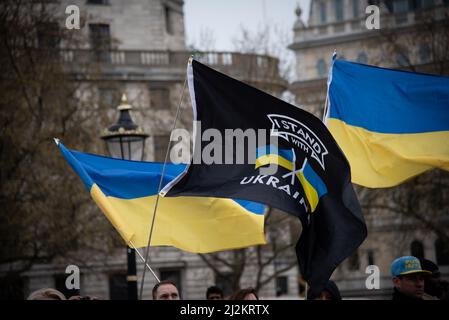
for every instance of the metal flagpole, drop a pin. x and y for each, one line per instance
(326, 107)
(329, 80)
(142, 258)
(147, 250)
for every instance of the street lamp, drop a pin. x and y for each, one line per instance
(126, 140)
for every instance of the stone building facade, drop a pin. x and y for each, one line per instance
(401, 42)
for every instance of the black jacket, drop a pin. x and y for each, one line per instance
(398, 296)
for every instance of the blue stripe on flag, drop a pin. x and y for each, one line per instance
(388, 101)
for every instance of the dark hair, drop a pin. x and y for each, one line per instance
(330, 287)
(214, 289)
(163, 282)
(242, 293)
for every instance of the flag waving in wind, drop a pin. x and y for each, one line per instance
(392, 125)
(312, 178)
(126, 193)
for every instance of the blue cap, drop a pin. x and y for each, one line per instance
(406, 265)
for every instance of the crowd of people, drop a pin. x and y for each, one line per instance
(413, 279)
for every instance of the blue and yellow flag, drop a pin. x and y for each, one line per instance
(126, 193)
(313, 186)
(391, 125)
(311, 179)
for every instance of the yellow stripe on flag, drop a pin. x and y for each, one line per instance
(274, 159)
(385, 160)
(194, 224)
(310, 192)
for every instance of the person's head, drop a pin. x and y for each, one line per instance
(408, 276)
(46, 294)
(432, 282)
(330, 292)
(214, 293)
(165, 290)
(245, 294)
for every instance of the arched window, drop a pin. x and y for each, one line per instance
(424, 53)
(321, 68)
(362, 58)
(417, 249)
(442, 252)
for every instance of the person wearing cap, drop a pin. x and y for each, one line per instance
(434, 287)
(408, 279)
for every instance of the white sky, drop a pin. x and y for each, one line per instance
(220, 21)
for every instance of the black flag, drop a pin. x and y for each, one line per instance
(311, 177)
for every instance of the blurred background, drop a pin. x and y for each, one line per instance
(67, 83)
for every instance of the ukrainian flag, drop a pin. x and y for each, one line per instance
(391, 125)
(126, 193)
(313, 186)
(272, 155)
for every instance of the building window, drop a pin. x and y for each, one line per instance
(99, 36)
(442, 252)
(371, 257)
(354, 262)
(417, 249)
(400, 6)
(321, 68)
(339, 12)
(160, 147)
(99, 2)
(223, 282)
(100, 41)
(118, 287)
(159, 98)
(173, 275)
(323, 13)
(169, 20)
(60, 280)
(355, 8)
(362, 58)
(281, 286)
(424, 53)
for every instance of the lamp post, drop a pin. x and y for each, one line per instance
(126, 140)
